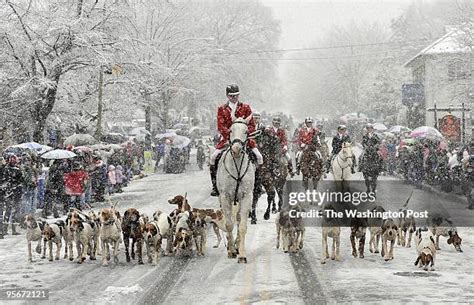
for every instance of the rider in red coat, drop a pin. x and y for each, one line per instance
(224, 123)
(281, 134)
(305, 137)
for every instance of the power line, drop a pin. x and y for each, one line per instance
(332, 47)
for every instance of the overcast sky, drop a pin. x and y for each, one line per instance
(304, 22)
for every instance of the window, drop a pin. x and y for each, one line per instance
(419, 74)
(459, 69)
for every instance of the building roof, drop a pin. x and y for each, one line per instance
(454, 42)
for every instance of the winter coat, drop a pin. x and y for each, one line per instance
(55, 181)
(306, 135)
(111, 175)
(224, 122)
(119, 174)
(371, 142)
(74, 182)
(337, 142)
(14, 179)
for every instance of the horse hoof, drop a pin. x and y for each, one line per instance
(140, 262)
(242, 260)
(133, 255)
(253, 222)
(71, 259)
(127, 259)
(376, 251)
(232, 255)
(266, 216)
(274, 211)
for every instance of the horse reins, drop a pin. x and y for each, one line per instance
(342, 168)
(239, 177)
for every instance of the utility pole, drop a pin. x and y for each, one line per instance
(98, 130)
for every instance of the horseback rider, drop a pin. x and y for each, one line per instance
(232, 108)
(305, 137)
(370, 142)
(281, 134)
(258, 121)
(337, 142)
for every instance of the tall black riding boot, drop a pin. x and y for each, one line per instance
(5, 228)
(213, 170)
(353, 164)
(290, 169)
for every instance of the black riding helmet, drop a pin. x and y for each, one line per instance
(232, 90)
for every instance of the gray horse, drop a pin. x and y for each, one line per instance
(235, 181)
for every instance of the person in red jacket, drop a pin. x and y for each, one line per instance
(224, 122)
(74, 185)
(305, 137)
(281, 134)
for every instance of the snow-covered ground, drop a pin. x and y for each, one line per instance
(270, 276)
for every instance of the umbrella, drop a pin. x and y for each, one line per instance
(169, 134)
(408, 141)
(58, 154)
(15, 150)
(115, 138)
(140, 138)
(35, 147)
(388, 134)
(139, 131)
(180, 142)
(426, 132)
(85, 149)
(79, 139)
(380, 127)
(399, 129)
(100, 146)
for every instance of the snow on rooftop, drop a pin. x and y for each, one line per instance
(453, 42)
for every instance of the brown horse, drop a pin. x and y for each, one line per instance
(312, 162)
(270, 148)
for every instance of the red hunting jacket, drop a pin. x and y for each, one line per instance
(306, 136)
(281, 134)
(224, 122)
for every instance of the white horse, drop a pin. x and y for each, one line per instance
(235, 181)
(341, 166)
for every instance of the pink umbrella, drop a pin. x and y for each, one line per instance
(85, 149)
(426, 132)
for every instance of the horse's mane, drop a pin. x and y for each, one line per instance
(271, 145)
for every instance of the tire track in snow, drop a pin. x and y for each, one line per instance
(166, 281)
(308, 282)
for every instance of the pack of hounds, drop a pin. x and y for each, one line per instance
(290, 231)
(185, 231)
(183, 228)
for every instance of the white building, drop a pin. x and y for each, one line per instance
(445, 68)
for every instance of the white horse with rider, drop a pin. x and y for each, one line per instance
(235, 182)
(341, 166)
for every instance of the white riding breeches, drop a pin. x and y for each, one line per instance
(255, 150)
(258, 155)
(214, 155)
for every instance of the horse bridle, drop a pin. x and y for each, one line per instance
(243, 143)
(239, 177)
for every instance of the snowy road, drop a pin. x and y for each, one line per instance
(271, 276)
